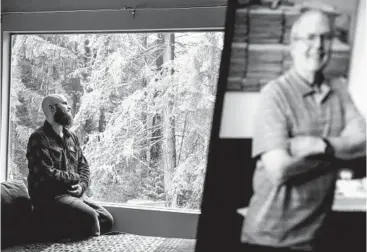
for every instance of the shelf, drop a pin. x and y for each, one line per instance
(286, 10)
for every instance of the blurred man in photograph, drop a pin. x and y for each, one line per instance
(304, 124)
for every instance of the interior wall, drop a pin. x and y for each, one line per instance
(52, 5)
(4, 102)
(358, 73)
(1, 49)
(238, 110)
(349, 6)
(150, 222)
(2, 173)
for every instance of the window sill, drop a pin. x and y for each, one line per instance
(149, 208)
(153, 221)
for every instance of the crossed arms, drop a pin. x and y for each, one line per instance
(287, 158)
(308, 154)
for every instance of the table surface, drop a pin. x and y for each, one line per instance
(341, 204)
(350, 196)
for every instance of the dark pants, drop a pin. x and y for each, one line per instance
(71, 217)
(256, 248)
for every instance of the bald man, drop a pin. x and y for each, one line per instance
(58, 177)
(304, 125)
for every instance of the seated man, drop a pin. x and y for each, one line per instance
(59, 175)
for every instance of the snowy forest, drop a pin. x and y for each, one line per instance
(142, 106)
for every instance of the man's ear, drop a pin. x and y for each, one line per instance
(52, 108)
(291, 49)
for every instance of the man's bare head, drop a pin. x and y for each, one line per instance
(49, 102)
(56, 109)
(311, 39)
(308, 22)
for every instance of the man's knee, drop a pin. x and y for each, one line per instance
(82, 216)
(106, 222)
(91, 216)
(90, 223)
(110, 221)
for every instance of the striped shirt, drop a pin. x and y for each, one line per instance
(291, 215)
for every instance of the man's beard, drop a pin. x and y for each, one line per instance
(63, 118)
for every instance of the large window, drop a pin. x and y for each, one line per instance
(142, 106)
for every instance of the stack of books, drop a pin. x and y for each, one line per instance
(287, 60)
(241, 26)
(264, 63)
(265, 26)
(338, 64)
(289, 18)
(237, 66)
(243, 2)
(238, 61)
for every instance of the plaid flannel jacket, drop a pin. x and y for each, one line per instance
(55, 163)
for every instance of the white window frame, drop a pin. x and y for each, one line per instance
(71, 16)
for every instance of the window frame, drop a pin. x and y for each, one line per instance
(45, 16)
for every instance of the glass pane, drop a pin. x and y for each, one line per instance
(142, 106)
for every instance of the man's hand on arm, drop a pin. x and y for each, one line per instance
(304, 146)
(76, 190)
(351, 144)
(283, 167)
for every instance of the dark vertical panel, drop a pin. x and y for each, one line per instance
(228, 186)
(229, 173)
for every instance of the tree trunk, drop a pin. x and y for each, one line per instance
(169, 146)
(102, 120)
(144, 116)
(154, 123)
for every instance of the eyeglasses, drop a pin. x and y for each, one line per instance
(312, 38)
